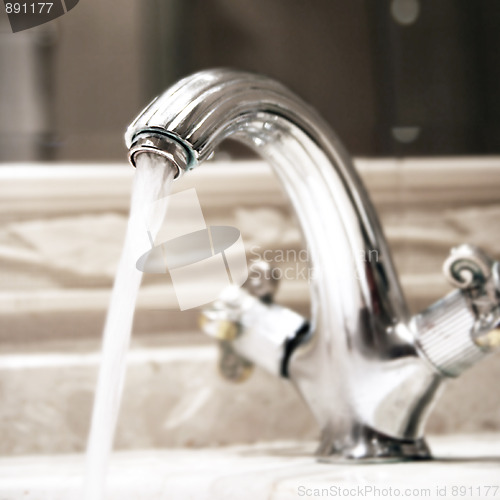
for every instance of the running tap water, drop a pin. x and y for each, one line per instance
(152, 182)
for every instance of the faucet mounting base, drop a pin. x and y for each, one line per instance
(367, 445)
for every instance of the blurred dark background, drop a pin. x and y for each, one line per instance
(393, 77)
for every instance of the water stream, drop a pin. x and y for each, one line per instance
(152, 182)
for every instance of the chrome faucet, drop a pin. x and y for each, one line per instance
(368, 371)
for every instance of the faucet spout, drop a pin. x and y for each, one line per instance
(359, 369)
(191, 118)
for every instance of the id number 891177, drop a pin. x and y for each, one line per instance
(28, 8)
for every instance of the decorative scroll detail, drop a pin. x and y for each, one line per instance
(467, 267)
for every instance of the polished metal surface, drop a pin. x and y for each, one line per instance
(459, 330)
(478, 276)
(263, 329)
(173, 151)
(222, 321)
(444, 335)
(359, 367)
(249, 327)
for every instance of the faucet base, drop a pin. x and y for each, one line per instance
(366, 445)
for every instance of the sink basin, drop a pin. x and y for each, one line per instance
(52, 309)
(467, 466)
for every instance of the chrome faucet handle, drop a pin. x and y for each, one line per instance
(245, 320)
(220, 321)
(468, 267)
(463, 327)
(478, 276)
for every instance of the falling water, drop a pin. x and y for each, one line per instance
(153, 179)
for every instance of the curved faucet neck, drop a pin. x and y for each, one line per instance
(348, 251)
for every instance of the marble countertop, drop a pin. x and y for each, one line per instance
(466, 466)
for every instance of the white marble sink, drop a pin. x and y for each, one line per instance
(271, 471)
